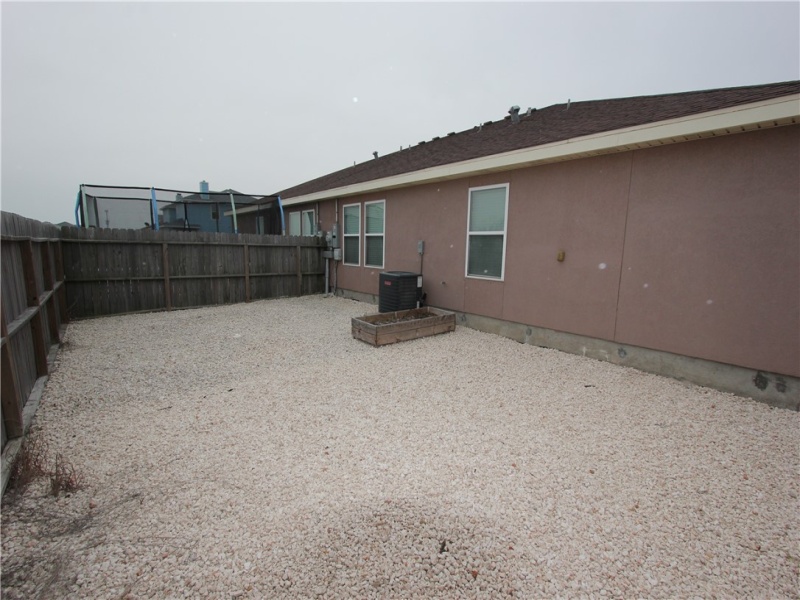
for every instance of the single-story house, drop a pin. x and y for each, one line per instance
(660, 232)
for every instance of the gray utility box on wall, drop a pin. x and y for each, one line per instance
(399, 290)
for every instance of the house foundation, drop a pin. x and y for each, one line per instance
(780, 391)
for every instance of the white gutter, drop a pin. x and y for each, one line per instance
(745, 117)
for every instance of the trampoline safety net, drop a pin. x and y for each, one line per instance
(228, 211)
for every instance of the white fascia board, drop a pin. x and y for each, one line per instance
(768, 113)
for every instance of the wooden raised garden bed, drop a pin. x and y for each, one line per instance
(388, 328)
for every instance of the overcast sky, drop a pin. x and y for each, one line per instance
(260, 97)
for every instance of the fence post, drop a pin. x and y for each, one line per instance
(246, 272)
(47, 276)
(167, 290)
(62, 290)
(37, 326)
(299, 272)
(11, 401)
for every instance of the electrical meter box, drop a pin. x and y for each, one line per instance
(334, 242)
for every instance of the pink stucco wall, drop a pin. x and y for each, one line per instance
(690, 248)
(712, 252)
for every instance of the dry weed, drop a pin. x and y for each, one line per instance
(65, 477)
(31, 464)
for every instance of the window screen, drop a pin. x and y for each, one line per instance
(486, 232)
(374, 217)
(352, 231)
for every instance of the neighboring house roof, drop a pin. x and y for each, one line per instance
(544, 128)
(223, 196)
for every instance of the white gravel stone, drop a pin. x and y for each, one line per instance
(258, 451)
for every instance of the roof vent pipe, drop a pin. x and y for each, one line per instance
(514, 112)
(375, 154)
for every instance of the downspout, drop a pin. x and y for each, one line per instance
(235, 222)
(154, 208)
(327, 260)
(283, 221)
(341, 245)
(78, 206)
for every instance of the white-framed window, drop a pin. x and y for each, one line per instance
(309, 223)
(351, 234)
(487, 218)
(294, 223)
(374, 224)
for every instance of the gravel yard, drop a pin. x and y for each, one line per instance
(258, 451)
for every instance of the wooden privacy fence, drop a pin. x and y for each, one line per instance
(51, 274)
(32, 312)
(113, 271)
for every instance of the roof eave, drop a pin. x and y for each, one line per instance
(768, 113)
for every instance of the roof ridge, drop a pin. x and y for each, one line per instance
(676, 94)
(553, 123)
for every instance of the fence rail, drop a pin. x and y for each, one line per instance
(32, 312)
(50, 275)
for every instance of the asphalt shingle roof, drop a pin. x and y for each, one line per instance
(551, 124)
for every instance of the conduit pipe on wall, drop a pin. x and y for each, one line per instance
(341, 245)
